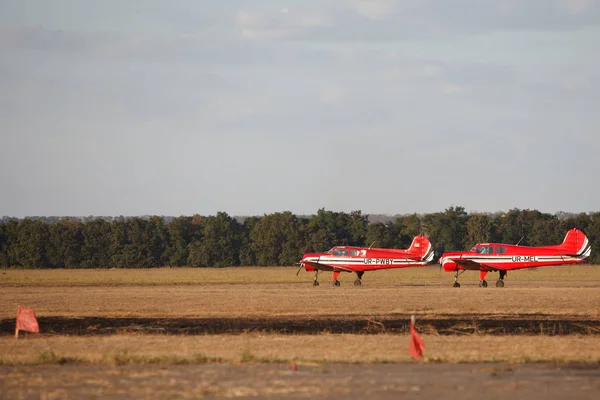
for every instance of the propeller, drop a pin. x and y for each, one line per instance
(439, 251)
(306, 251)
(301, 265)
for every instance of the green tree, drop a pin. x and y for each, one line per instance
(593, 234)
(8, 239)
(97, 244)
(356, 228)
(220, 243)
(479, 230)
(65, 244)
(378, 235)
(247, 252)
(277, 239)
(181, 231)
(32, 243)
(449, 228)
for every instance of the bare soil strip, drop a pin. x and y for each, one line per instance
(426, 381)
(356, 324)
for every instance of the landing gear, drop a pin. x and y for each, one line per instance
(500, 281)
(359, 275)
(316, 281)
(456, 274)
(482, 281)
(335, 278)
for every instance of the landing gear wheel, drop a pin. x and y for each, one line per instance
(499, 283)
(336, 283)
(315, 283)
(483, 283)
(456, 284)
(357, 282)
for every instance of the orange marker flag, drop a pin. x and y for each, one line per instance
(416, 343)
(26, 321)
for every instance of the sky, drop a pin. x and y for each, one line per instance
(183, 107)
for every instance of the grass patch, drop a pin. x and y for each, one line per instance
(125, 358)
(49, 357)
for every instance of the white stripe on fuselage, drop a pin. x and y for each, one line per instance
(363, 261)
(516, 259)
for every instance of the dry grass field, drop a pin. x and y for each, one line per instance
(111, 323)
(137, 306)
(278, 292)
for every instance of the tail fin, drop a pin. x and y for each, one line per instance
(576, 244)
(421, 248)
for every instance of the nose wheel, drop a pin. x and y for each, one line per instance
(456, 274)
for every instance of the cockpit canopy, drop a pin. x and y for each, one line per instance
(488, 249)
(343, 252)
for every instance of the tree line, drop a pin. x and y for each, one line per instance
(274, 239)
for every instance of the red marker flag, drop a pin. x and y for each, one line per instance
(416, 343)
(26, 320)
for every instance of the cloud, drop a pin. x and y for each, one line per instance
(256, 25)
(386, 20)
(374, 9)
(332, 95)
(451, 88)
(576, 7)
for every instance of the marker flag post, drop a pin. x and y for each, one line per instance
(26, 321)
(416, 343)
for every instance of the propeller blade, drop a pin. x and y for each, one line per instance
(297, 272)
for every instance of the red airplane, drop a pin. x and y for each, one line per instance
(361, 259)
(485, 257)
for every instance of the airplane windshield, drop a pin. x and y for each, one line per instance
(485, 250)
(340, 252)
(473, 249)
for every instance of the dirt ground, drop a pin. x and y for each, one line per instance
(236, 333)
(379, 381)
(268, 300)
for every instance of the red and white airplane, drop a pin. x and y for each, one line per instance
(361, 259)
(485, 257)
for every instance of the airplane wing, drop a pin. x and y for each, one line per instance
(475, 266)
(325, 267)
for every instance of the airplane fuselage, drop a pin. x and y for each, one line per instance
(352, 259)
(509, 257)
